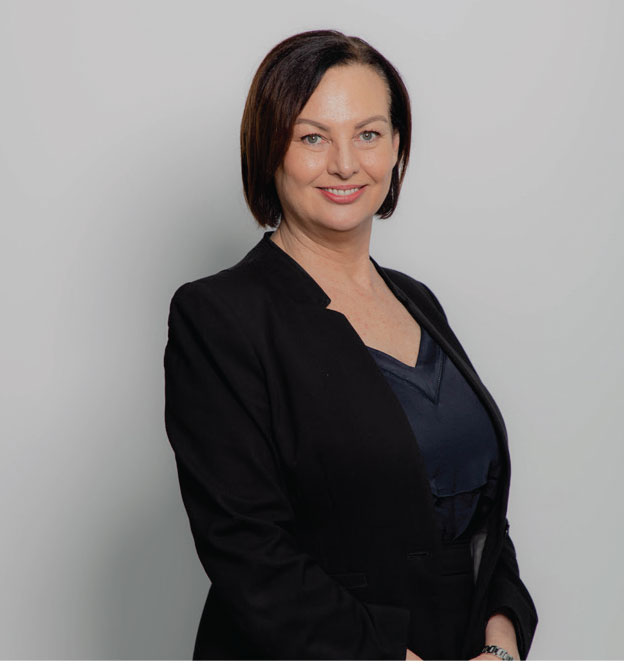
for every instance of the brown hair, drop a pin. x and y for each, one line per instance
(281, 87)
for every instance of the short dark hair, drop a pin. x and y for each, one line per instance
(281, 87)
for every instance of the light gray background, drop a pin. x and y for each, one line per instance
(119, 176)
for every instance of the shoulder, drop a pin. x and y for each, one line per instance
(232, 292)
(207, 322)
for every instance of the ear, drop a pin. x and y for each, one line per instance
(277, 176)
(396, 139)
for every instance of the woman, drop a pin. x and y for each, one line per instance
(345, 472)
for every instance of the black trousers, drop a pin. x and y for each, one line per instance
(440, 601)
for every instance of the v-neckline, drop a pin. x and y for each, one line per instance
(425, 375)
(396, 360)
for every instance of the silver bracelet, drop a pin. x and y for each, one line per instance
(498, 651)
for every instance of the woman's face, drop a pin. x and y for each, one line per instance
(342, 139)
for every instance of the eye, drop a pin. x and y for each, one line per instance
(369, 135)
(318, 138)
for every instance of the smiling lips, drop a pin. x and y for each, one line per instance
(342, 193)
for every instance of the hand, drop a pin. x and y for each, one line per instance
(412, 655)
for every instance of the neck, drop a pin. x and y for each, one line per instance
(336, 260)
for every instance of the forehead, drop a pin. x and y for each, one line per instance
(348, 93)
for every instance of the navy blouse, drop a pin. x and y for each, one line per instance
(454, 433)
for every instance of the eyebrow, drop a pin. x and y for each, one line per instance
(357, 126)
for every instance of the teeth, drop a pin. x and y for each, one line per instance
(341, 192)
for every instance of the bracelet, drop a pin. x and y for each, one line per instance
(498, 651)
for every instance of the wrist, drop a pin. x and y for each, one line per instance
(499, 652)
(501, 632)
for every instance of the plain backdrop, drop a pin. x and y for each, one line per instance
(120, 180)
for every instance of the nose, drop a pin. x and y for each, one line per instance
(342, 159)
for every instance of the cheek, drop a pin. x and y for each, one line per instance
(378, 163)
(301, 167)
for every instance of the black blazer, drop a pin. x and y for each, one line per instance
(304, 486)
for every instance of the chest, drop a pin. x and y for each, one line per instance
(343, 440)
(382, 322)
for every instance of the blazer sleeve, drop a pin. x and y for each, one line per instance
(507, 593)
(242, 521)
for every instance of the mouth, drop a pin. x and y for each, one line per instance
(342, 193)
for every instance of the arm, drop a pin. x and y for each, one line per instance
(241, 518)
(508, 595)
(509, 603)
(500, 631)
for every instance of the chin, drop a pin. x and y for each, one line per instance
(346, 223)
